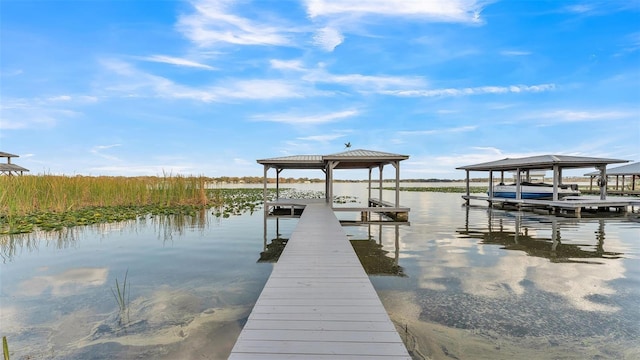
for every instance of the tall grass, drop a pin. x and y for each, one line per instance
(5, 348)
(22, 195)
(122, 298)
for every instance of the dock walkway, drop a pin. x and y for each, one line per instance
(318, 302)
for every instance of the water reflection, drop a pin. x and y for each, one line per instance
(515, 231)
(12, 246)
(66, 283)
(165, 226)
(371, 253)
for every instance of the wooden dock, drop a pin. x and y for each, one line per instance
(571, 205)
(318, 302)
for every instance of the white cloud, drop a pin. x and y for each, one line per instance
(97, 150)
(471, 91)
(365, 82)
(579, 116)
(295, 119)
(214, 22)
(287, 65)
(328, 38)
(514, 53)
(439, 131)
(136, 83)
(451, 10)
(176, 61)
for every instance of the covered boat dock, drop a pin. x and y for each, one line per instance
(351, 159)
(620, 173)
(9, 168)
(522, 167)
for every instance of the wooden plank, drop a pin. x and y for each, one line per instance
(318, 302)
(337, 349)
(325, 325)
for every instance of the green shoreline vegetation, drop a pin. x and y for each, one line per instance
(50, 202)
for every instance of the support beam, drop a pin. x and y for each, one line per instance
(490, 184)
(556, 181)
(380, 167)
(264, 190)
(278, 171)
(603, 181)
(518, 186)
(396, 164)
(330, 166)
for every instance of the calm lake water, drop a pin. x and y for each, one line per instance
(460, 282)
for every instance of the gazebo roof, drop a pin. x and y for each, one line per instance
(6, 154)
(541, 162)
(11, 167)
(352, 159)
(629, 169)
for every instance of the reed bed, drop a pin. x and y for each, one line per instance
(28, 198)
(20, 195)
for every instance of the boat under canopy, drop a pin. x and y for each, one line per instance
(529, 190)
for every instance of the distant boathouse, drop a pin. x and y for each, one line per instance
(9, 169)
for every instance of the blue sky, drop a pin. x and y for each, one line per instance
(207, 87)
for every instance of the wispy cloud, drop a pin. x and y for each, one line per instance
(328, 38)
(214, 21)
(33, 113)
(176, 61)
(301, 119)
(471, 91)
(97, 150)
(338, 16)
(581, 116)
(361, 82)
(439, 131)
(452, 10)
(296, 65)
(373, 83)
(514, 53)
(132, 82)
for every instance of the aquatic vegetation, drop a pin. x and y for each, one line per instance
(5, 348)
(48, 202)
(122, 294)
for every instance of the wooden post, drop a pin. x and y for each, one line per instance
(468, 190)
(278, 171)
(518, 187)
(490, 184)
(396, 164)
(556, 181)
(603, 181)
(380, 167)
(264, 192)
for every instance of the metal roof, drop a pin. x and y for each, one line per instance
(295, 162)
(352, 159)
(541, 162)
(629, 169)
(5, 154)
(12, 167)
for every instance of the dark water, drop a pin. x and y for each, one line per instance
(465, 283)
